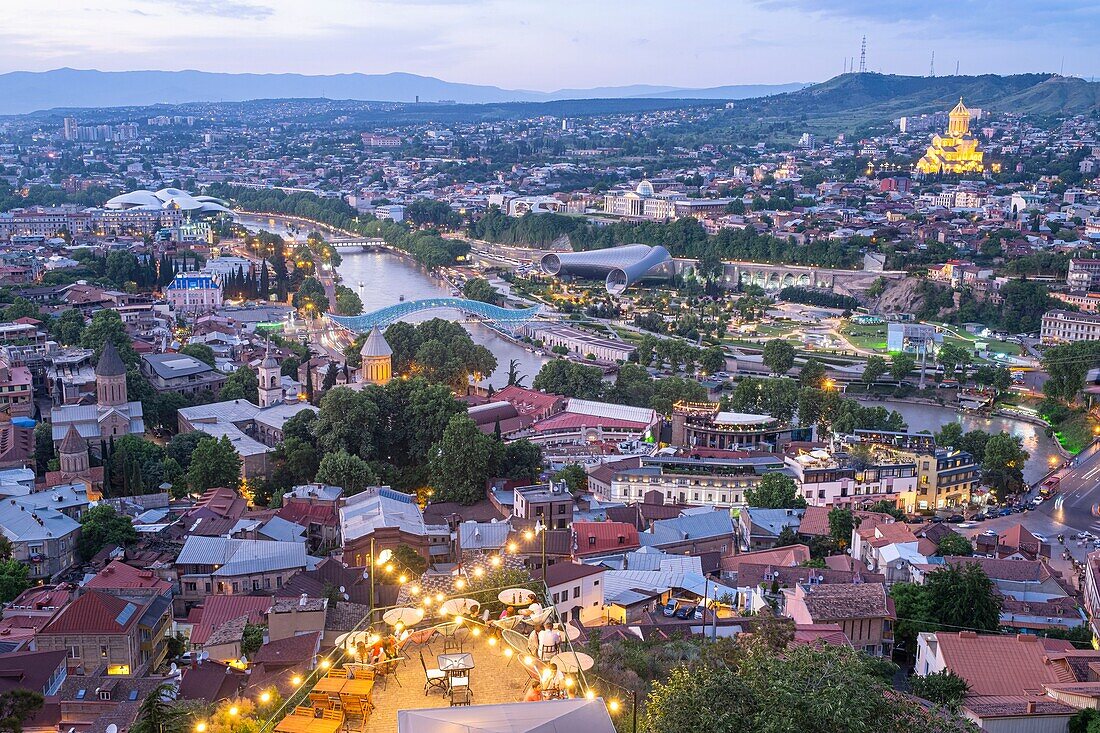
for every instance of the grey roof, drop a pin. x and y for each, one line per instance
(87, 417)
(688, 527)
(22, 524)
(376, 344)
(380, 506)
(280, 529)
(323, 492)
(620, 266)
(58, 498)
(110, 363)
(169, 366)
(773, 521)
(483, 535)
(243, 557)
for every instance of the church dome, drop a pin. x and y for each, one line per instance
(645, 188)
(375, 345)
(110, 363)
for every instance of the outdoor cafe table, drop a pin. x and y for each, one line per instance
(307, 724)
(456, 662)
(357, 687)
(331, 685)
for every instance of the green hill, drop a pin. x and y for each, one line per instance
(848, 101)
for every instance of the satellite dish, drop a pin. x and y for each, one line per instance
(366, 575)
(173, 669)
(112, 728)
(347, 597)
(342, 589)
(204, 655)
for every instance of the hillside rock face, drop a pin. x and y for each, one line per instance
(901, 297)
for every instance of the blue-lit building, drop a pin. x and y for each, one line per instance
(912, 338)
(194, 293)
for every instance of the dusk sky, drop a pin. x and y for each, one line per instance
(542, 45)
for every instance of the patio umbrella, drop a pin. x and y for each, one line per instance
(572, 661)
(459, 607)
(403, 615)
(572, 632)
(516, 596)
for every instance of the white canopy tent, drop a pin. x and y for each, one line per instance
(551, 716)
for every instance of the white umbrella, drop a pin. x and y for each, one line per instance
(516, 596)
(572, 661)
(403, 615)
(572, 632)
(459, 607)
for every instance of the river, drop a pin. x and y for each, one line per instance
(386, 277)
(1035, 441)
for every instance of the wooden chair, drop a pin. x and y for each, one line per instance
(319, 699)
(356, 707)
(333, 715)
(341, 673)
(459, 689)
(304, 710)
(433, 678)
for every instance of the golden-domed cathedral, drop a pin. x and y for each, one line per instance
(957, 150)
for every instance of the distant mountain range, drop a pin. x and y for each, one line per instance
(23, 91)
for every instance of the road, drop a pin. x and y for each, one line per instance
(1077, 503)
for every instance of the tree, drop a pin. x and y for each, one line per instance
(477, 288)
(1003, 464)
(288, 367)
(106, 325)
(182, 446)
(961, 596)
(514, 377)
(1086, 720)
(68, 327)
(348, 302)
(901, 365)
(570, 379)
(875, 368)
(214, 464)
(841, 525)
(252, 639)
(43, 446)
(202, 352)
(461, 462)
(311, 300)
(522, 460)
(411, 561)
(13, 578)
(575, 477)
(242, 384)
(348, 471)
(677, 705)
(950, 435)
(954, 544)
(1067, 366)
(942, 688)
(157, 713)
(812, 374)
(17, 706)
(712, 360)
(101, 526)
(775, 491)
(778, 356)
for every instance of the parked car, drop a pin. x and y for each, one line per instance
(956, 519)
(685, 613)
(669, 608)
(1041, 538)
(1006, 512)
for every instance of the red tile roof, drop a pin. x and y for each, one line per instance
(529, 401)
(118, 575)
(304, 513)
(220, 609)
(819, 634)
(595, 537)
(997, 664)
(95, 612)
(288, 651)
(785, 557)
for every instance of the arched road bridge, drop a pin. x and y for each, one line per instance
(507, 319)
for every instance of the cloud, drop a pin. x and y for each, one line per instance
(222, 8)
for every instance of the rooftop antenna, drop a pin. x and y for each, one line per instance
(932, 65)
(956, 67)
(863, 56)
(1062, 66)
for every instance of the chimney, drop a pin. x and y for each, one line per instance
(1031, 706)
(968, 635)
(1030, 638)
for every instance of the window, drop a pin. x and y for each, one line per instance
(577, 592)
(193, 587)
(591, 540)
(561, 508)
(80, 694)
(104, 694)
(595, 582)
(267, 583)
(74, 652)
(255, 584)
(622, 540)
(103, 650)
(278, 581)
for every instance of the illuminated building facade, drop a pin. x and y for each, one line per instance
(957, 150)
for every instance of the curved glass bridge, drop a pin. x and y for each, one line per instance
(507, 319)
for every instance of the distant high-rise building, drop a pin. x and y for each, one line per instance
(70, 128)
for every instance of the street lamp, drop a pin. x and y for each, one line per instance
(540, 529)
